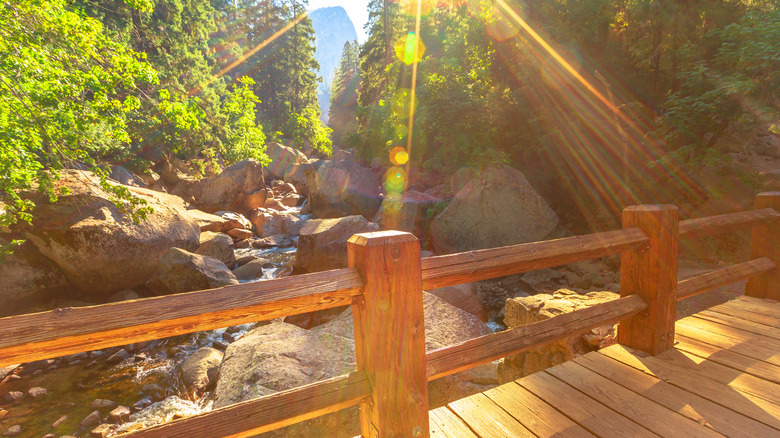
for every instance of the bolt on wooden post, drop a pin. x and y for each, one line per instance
(651, 273)
(766, 243)
(390, 334)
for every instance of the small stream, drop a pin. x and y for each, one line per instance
(146, 381)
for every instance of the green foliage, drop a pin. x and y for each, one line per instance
(305, 126)
(243, 137)
(342, 115)
(60, 76)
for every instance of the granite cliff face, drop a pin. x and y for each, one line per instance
(332, 28)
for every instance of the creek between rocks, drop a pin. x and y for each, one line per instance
(142, 377)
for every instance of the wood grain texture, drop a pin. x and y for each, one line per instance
(765, 307)
(701, 385)
(731, 359)
(749, 349)
(698, 409)
(390, 334)
(747, 315)
(651, 273)
(246, 419)
(649, 414)
(749, 326)
(587, 412)
(487, 419)
(748, 338)
(468, 354)
(445, 424)
(73, 330)
(723, 276)
(466, 267)
(533, 413)
(714, 225)
(766, 243)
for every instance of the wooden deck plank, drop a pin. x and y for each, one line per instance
(445, 424)
(699, 409)
(756, 305)
(536, 415)
(727, 343)
(585, 411)
(738, 380)
(748, 315)
(655, 417)
(748, 326)
(737, 361)
(746, 404)
(731, 331)
(487, 419)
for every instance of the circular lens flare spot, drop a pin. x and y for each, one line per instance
(399, 156)
(395, 180)
(401, 130)
(404, 49)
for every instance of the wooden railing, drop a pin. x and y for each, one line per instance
(384, 285)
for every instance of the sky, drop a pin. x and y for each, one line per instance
(356, 9)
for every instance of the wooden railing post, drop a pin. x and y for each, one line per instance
(390, 334)
(766, 243)
(651, 273)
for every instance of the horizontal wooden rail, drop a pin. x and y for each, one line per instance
(72, 330)
(271, 412)
(484, 264)
(469, 354)
(721, 277)
(712, 225)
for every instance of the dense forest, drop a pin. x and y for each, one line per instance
(615, 98)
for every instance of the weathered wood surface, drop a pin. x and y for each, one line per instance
(73, 330)
(722, 277)
(249, 418)
(757, 352)
(390, 334)
(487, 419)
(731, 359)
(698, 409)
(748, 326)
(445, 424)
(468, 354)
(452, 269)
(766, 243)
(713, 225)
(651, 273)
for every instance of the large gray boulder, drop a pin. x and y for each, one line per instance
(182, 271)
(28, 280)
(199, 371)
(282, 356)
(238, 188)
(283, 160)
(498, 208)
(406, 212)
(342, 188)
(322, 244)
(219, 246)
(101, 249)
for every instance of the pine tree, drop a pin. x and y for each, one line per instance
(343, 98)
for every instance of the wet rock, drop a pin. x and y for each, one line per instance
(59, 421)
(322, 244)
(220, 345)
(464, 297)
(182, 271)
(498, 208)
(36, 392)
(103, 404)
(117, 357)
(277, 240)
(120, 414)
(7, 370)
(13, 431)
(155, 391)
(91, 420)
(217, 245)
(161, 412)
(528, 310)
(342, 188)
(13, 396)
(241, 261)
(250, 271)
(142, 404)
(274, 204)
(242, 244)
(199, 371)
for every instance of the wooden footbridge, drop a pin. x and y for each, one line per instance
(716, 373)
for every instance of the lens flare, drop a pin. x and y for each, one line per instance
(395, 180)
(401, 103)
(409, 7)
(401, 130)
(404, 49)
(499, 25)
(398, 156)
